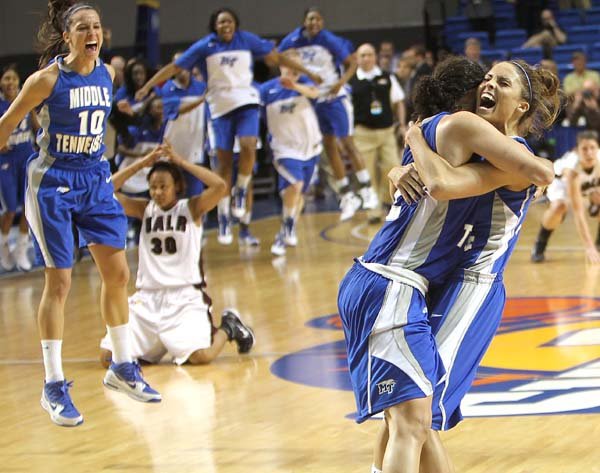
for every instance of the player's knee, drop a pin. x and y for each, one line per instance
(58, 285)
(248, 143)
(409, 421)
(118, 277)
(560, 207)
(200, 357)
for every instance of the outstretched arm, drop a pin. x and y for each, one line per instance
(574, 192)
(503, 152)
(209, 198)
(275, 58)
(306, 90)
(166, 72)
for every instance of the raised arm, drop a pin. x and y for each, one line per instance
(306, 90)
(166, 72)
(444, 182)
(134, 207)
(275, 58)
(36, 88)
(216, 187)
(350, 67)
(574, 192)
(189, 106)
(482, 138)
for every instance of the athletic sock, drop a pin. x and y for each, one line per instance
(374, 469)
(243, 181)
(542, 239)
(121, 343)
(363, 177)
(246, 218)
(52, 354)
(224, 206)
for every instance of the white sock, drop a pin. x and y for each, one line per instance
(363, 176)
(289, 212)
(51, 352)
(374, 469)
(243, 181)
(23, 239)
(341, 183)
(121, 343)
(246, 218)
(3, 238)
(224, 205)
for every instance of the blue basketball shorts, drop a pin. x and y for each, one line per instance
(292, 170)
(243, 121)
(392, 356)
(193, 185)
(12, 180)
(335, 117)
(465, 315)
(59, 195)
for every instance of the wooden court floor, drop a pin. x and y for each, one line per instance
(241, 415)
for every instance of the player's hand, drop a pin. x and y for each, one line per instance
(170, 153)
(406, 180)
(287, 83)
(592, 255)
(316, 78)
(414, 135)
(142, 93)
(152, 156)
(125, 107)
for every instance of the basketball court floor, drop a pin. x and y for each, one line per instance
(287, 407)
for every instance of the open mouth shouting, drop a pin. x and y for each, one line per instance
(487, 101)
(91, 47)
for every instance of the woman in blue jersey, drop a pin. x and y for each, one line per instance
(225, 58)
(69, 182)
(393, 359)
(13, 161)
(324, 53)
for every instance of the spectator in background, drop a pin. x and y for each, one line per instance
(584, 110)
(549, 65)
(549, 36)
(376, 97)
(527, 14)
(118, 64)
(473, 52)
(387, 58)
(420, 68)
(403, 71)
(573, 82)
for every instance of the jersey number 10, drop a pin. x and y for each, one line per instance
(96, 122)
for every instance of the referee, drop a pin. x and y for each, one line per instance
(375, 96)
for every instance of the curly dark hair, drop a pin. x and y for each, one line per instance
(58, 20)
(212, 22)
(544, 96)
(451, 80)
(174, 171)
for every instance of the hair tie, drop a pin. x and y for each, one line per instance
(526, 77)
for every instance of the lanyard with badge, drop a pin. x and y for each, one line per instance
(376, 105)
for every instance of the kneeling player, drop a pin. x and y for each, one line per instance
(170, 312)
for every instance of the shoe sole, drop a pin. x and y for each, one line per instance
(58, 420)
(112, 382)
(225, 242)
(253, 341)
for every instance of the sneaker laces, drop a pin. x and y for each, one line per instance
(61, 395)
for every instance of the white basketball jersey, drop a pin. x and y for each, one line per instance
(170, 246)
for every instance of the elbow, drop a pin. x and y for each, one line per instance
(437, 190)
(544, 178)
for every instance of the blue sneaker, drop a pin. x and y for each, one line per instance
(247, 239)
(238, 209)
(57, 402)
(289, 232)
(127, 378)
(224, 237)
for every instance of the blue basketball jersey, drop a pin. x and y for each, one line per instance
(496, 225)
(73, 117)
(20, 140)
(424, 237)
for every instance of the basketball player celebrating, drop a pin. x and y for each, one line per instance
(225, 61)
(295, 139)
(324, 53)
(392, 356)
(578, 183)
(466, 309)
(69, 182)
(13, 162)
(170, 312)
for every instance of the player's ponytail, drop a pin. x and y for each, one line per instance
(451, 80)
(58, 20)
(541, 88)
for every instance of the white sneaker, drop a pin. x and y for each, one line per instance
(369, 198)
(21, 257)
(349, 204)
(127, 378)
(278, 246)
(6, 258)
(224, 237)
(289, 232)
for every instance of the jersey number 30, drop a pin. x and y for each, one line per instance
(170, 246)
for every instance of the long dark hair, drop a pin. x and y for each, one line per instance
(451, 80)
(58, 20)
(545, 101)
(212, 22)
(128, 74)
(174, 171)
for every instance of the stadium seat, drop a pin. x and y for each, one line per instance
(583, 34)
(505, 21)
(569, 18)
(492, 55)
(509, 39)
(563, 70)
(529, 55)
(564, 52)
